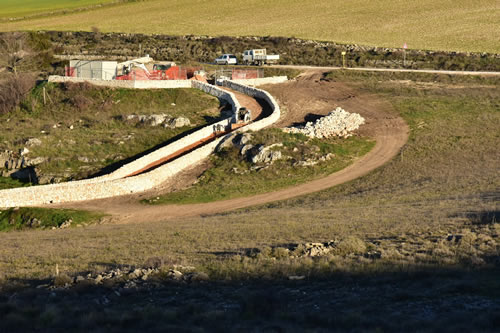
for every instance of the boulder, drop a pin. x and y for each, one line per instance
(263, 154)
(33, 142)
(179, 122)
(245, 149)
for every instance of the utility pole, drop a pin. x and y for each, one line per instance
(343, 58)
(404, 54)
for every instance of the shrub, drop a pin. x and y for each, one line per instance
(350, 245)
(13, 90)
(81, 102)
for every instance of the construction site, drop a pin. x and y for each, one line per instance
(146, 68)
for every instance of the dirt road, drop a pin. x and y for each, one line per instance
(369, 69)
(306, 97)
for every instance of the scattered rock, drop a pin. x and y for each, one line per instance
(66, 224)
(174, 274)
(98, 279)
(33, 142)
(34, 223)
(178, 122)
(36, 161)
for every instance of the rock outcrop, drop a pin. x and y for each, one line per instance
(158, 119)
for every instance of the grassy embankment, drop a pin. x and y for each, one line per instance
(6, 182)
(232, 175)
(43, 218)
(81, 127)
(444, 182)
(456, 26)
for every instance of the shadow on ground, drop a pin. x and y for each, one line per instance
(422, 300)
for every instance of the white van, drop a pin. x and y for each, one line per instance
(226, 59)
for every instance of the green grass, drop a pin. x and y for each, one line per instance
(14, 9)
(221, 181)
(21, 218)
(99, 136)
(460, 25)
(6, 182)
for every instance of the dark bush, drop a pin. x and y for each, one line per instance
(81, 102)
(13, 90)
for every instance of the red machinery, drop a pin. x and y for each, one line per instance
(158, 73)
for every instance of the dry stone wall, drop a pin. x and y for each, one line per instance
(114, 184)
(261, 94)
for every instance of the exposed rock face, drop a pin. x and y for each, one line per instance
(236, 140)
(10, 160)
(158, 119)
(178, 122)
(33, 142)
(337, 123)
(263, 154)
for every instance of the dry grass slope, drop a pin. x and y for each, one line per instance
(437, 25)
(444, 182)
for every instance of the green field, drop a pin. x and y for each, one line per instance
(14, 8)
(460, 25)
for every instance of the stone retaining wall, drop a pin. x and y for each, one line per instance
(131, 84)
(261, 94)
(113, 184)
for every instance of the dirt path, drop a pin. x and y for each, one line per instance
(370, 69)
(302, 99)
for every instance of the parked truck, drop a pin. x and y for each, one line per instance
(259, 57)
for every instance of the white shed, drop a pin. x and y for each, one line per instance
(103, 70)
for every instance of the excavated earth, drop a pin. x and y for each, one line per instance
(304, 99)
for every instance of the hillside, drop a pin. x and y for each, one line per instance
(437, 25)
(412, 246)
(72, 131)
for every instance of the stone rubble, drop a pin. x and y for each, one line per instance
(337, 123)
(158, 119)
(131, 278)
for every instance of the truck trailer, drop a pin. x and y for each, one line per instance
(259, 57)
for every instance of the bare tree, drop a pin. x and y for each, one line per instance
(14, 51)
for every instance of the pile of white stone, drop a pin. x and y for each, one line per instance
(337, 123)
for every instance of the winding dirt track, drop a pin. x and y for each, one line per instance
(308, 96)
